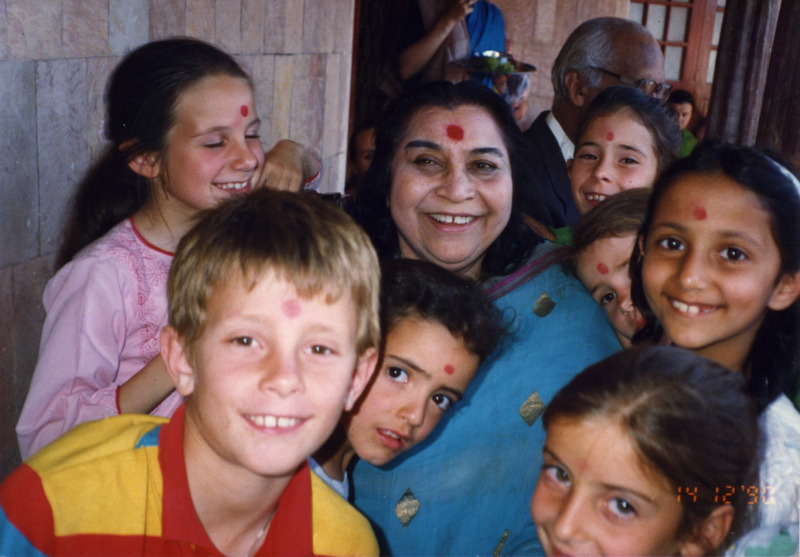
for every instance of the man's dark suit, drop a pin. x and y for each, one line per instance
(550, 198)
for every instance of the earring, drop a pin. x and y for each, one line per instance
(387, 202)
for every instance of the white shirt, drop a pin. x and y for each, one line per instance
(565, 143)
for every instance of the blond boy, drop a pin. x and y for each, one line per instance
(272, 333)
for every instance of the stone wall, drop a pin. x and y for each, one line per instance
(55, 57)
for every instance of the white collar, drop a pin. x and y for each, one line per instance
(564, 143)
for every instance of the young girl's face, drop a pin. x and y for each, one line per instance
(711, 267)
(595, 496)
(424, 371)
(615, 153)
(213, 150)
(603, 269)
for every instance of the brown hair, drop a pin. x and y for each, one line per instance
(304, 240)
(616, 216)
(689, 418)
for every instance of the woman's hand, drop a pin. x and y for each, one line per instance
(287, 166)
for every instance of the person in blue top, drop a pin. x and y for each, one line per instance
(449, 162)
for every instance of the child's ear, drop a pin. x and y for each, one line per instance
(576, 87)
(569, 167)
(177, 361)
(710, 533)
(786, 292)
(361, 376)
(145, 164)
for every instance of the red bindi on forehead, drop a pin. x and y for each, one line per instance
(610, 136)
(699, 212)
(449, 369)
(291, 308)
(455, 132)
(602, 268)
(244, 110)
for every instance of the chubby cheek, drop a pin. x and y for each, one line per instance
(432, 417)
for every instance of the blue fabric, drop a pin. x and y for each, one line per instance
(475, 475)
(486, 27)
(12, 542)
(487, 31)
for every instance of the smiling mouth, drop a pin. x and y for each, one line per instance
(451, 219)
(690, 309)
(233, 186)
(594, 198)
(273, 422)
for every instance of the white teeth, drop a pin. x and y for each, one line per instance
(232, 186)
(595, 197)
(685, 308)
(390, 434)
(273, 421)
(450, 219)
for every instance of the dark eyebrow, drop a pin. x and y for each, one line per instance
(595, 144)
(223, 129)
(408, 363)
(424, 144)
(725, 234)
(488, 151)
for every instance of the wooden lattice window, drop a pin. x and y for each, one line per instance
(688, 32)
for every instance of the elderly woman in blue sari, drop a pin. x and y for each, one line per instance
(448, 164)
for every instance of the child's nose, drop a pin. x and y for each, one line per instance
(692, 271)
(602, 170)
(244, 159)
(280, 373)
(412, 411)
(569, 524)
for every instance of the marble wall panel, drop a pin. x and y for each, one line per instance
(275, 28)
(34, 28)
(57, 56)
(167, 18)
(308, 100)
(228, 25)
(293, 20)
(62, 117)
(4, 52)
(282, 96)
(336, 103)
(200, 21)
(254, 16)
(128, 24)
(19, 205)
(84, 28)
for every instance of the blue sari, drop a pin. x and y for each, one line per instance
(466, 490)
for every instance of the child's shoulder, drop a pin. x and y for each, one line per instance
(122, 239)
(120, 256)
(339, 529)
(93, 443)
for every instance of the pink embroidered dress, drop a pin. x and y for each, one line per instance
(105, 310)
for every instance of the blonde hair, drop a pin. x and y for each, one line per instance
(301, 238)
